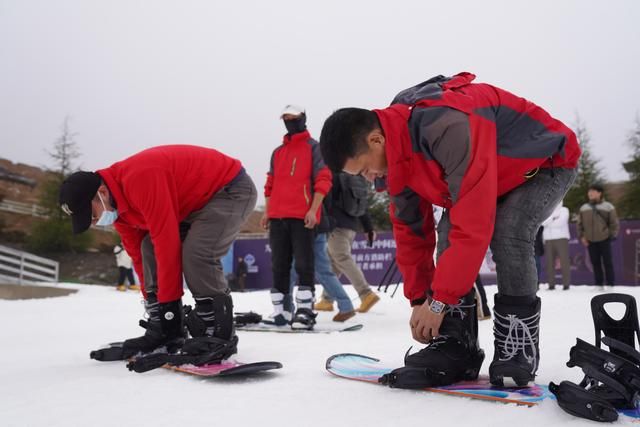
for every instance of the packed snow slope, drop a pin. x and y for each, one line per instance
(47, 378)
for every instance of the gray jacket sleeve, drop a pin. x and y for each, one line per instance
(443, 134)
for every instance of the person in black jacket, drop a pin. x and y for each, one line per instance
(348, 210)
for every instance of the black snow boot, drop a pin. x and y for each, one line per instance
(516, 337)
(455, 354)
(165, 333)
(164, 328)
(212, 329)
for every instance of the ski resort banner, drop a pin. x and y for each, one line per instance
(375, 261)
(625, 252)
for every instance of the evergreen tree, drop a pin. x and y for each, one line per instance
(629, 206)
(589, 170)
(379, 210)
(54, 234)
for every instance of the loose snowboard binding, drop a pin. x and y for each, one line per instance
(612, 378)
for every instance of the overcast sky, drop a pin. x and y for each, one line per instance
(134, 74)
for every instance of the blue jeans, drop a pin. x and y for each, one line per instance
(325, 276)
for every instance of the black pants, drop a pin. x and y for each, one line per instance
(600, 253)
(483, 294)
(125, 273)
(290, 239)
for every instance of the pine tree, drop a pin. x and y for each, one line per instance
(54, 234)
(379, 210)
(589, 170)
(629, 206)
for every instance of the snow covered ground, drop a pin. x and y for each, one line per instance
(47, 378)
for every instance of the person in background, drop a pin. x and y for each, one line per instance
(297, 182)
(598, 225)
(556, 245)
(125, 269)
(348, 210)
(241, 274)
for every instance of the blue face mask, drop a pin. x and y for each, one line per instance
(107, 217)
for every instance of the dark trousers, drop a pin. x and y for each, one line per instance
(289, 239)
(125, 273)
(600, 253)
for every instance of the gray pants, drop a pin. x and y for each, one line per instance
(339, 248)
(518, 216)
(557, 248)
(207, 235)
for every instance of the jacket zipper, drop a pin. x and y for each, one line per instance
(304, 190)
(293, 166)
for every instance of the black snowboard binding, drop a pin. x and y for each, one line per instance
(453, 356)
(213, 337)
(246, 318)
(612, 378)
(516, 337)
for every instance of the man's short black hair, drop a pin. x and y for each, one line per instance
(597, 186)
(344, 135)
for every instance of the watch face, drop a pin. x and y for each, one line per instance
(437, 306)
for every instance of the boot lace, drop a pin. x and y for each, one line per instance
(459, 309)
(521, 336)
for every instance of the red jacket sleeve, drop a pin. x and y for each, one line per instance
(414, 232)
(156, 200)
(268, 186)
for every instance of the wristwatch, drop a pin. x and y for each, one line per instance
(437, 307)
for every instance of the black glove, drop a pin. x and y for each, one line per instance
(370, 237)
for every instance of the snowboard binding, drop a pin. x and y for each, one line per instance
(612, 378)
(246, 318)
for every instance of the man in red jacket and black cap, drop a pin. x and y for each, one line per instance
(498, 164)
(297, 182)
(178, 209)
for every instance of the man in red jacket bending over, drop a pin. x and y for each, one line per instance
(498, 164)
(178, 209)
(297, 182)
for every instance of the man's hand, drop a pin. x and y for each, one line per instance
(310, 218)
(424, 323)
(584, 241)
(264, 221)
(371, 236)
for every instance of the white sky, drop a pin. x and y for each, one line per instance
(133, 74)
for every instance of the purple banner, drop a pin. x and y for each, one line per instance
(375, 261)
(625, 252)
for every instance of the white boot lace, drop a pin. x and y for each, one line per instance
(521, 336)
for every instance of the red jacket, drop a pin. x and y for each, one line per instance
(460, 145)
(156, 189)
(297, 172)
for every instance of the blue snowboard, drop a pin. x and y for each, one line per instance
(368, 369)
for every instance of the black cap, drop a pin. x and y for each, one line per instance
(597, 186)
(76, 194)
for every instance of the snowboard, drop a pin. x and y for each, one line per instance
(368, 369)
(229, 367)
(265, 326)
(226, 369)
